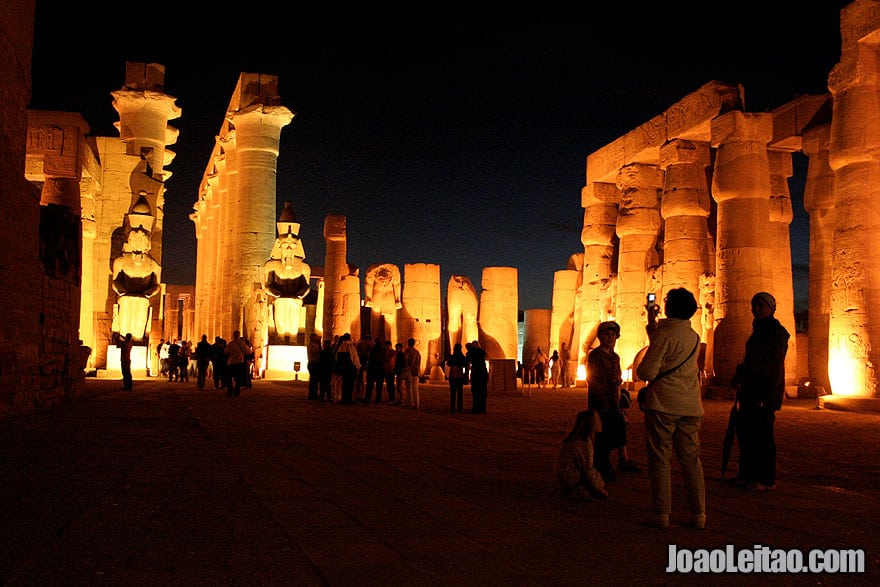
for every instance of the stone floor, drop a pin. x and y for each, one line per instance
(167, 485)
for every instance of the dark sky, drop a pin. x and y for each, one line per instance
(444, 138)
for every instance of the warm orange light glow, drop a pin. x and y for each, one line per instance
(582, 373)
(279, 362)
(846, 373)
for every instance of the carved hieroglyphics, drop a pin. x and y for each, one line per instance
(235, 214)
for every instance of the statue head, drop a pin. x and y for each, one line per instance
(137, 244)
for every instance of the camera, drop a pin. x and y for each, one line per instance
(652, 299)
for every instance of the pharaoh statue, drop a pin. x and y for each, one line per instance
(286, 278)
(461, 302)
(136, 275)
(382, 295)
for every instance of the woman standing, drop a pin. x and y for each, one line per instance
(673, 406)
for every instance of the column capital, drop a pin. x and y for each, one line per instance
(738, 127)
(679, 151)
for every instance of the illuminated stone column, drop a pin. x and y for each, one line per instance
(499, 312)
(144, 111)
(205, 220)
(536, 333)
(600, 202)
(421, 311)
(339, 315)
(819, 204)
(745, 253)
(462, 309)
(638, 226)
(562, 303)
(88, 189)
(226, 257)
(685, 206)
(257, 137)
(781, 215)
(854, 322)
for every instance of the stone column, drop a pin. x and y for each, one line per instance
(685, 206)
(854, 326)
(144, 111)
(781, 215)
(257, 137)
(638, 227)
(421, 311)
(562, 303)
(745, 255)
(499, 312)
(600, 202)
(536, 333)
(335, 268)
(227, 252)
(819, 204)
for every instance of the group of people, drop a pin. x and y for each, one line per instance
(343, 372)
(673, 409)
(463, 365)
(541, 369)
(228, 364)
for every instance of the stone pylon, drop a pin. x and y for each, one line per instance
(854, 322)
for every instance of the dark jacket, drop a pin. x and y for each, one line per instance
(761, 375)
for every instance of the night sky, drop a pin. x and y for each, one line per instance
(449, 138)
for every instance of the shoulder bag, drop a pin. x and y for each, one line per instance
(642, 397)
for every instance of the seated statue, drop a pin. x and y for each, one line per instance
(136, 278)
(286, 280)
(382, 295)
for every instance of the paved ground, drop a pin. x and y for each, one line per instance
(170, 486)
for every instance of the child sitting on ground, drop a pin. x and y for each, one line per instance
(574, 463)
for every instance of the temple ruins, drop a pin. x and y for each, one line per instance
(696, 197)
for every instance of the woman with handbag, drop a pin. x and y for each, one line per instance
(673, 406)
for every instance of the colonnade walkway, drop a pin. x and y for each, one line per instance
(166, 485)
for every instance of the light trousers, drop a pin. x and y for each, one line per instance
(665, 433)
